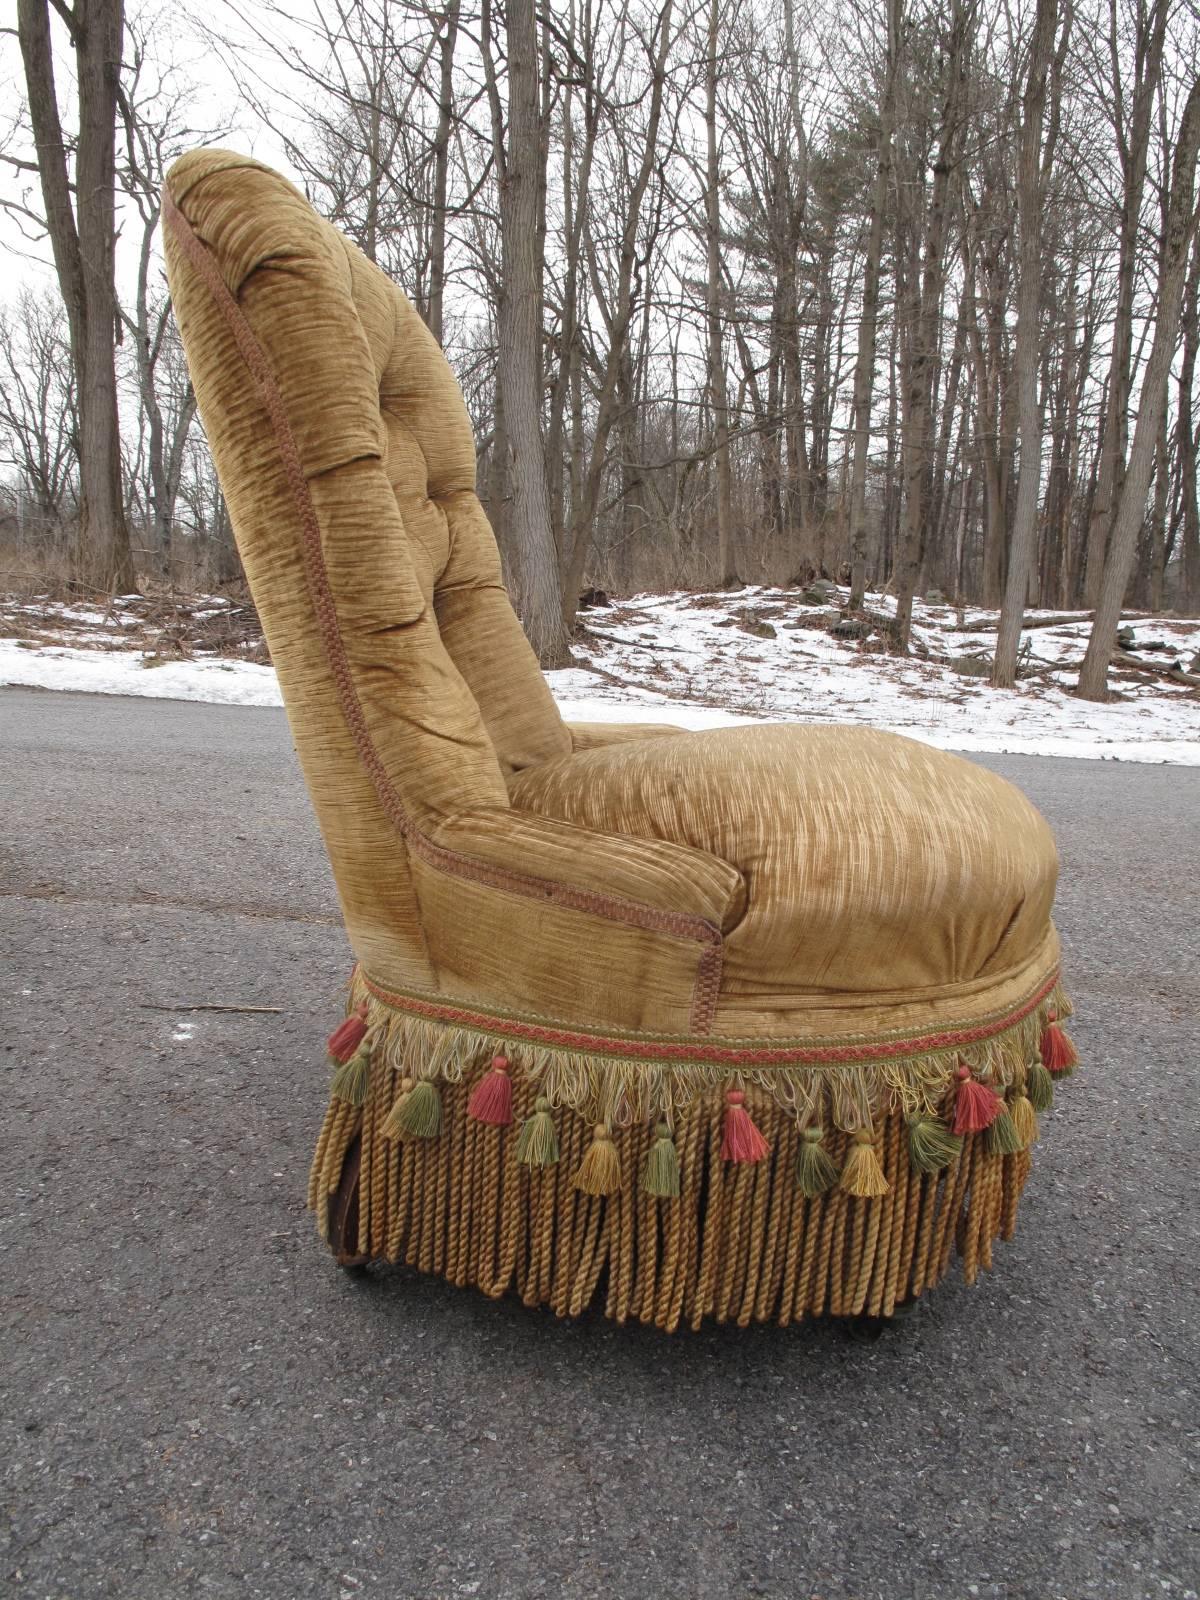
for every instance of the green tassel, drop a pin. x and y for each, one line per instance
(815, 1171)
(1002, 1136)
(931, 1145)
(351, 1079)
(1039, 1086)
(660, 1177)
(417, 1114)
(537, 1143)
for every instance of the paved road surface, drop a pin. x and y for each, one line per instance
(195, 1402)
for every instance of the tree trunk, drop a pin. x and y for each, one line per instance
(718, 391)
(1156, 551)
(923, 299)
(1030, 183)
(1181, 221)
(520, 342)
(84, 246)
(864, 365)
(441, 168)
(618, 317)
(1133, 138)
(1186, 441)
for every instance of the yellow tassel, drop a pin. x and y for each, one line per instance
(1024, 1119)
(862, 1175)
(600, 1170)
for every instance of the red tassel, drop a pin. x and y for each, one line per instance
(1058, 1053)
(348, 1035)
(742, 1140)
(491, 1098)
(976, 1106)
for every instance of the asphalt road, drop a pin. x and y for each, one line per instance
(195, 1402)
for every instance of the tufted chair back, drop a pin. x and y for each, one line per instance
(347, 460)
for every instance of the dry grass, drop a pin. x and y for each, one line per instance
(163, 626)
(175, 617)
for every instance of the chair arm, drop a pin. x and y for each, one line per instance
(616, 876)
(541, 916)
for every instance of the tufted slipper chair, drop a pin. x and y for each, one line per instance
(749, 1024)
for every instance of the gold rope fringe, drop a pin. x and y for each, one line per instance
(740, 1243)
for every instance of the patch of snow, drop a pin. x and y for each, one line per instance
(697, 661)
(228, 683)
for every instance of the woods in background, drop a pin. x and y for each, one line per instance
(893, 292)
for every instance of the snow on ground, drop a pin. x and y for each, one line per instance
(698, 661)
(135, 672)
(765, 653)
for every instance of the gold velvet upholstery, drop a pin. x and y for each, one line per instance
(830, 925)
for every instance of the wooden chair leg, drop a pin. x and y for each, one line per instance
(343, 1213)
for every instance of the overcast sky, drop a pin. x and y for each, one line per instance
(184, 58)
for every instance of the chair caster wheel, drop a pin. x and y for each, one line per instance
(868, 1329)
(865, 1330)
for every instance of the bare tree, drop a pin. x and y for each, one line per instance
(1129, 88)
(1122, 547)
(520, 153)
(80, 215)
(1188, 505)
(730, 289)
(717, 393)
(864, 366)
(155, 125)
(921, 271)
(39, 423)
(1034, 158)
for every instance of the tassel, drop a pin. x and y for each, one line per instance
(742, 1141)
(976, 1106)
(352, 1077)
(862, 1175)
(491, 1098)
(1040, 1086)
(348, 1035)
(537, 1143)
(815, 1171)
(1024, 1120)
(660, 1176)
(600, 1170)
(418, 1111)
(931, 1145)
(1059, 1055)
(1002, 1136)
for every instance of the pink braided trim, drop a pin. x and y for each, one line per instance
(614, 908)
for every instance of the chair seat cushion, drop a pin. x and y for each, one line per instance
(875, 866)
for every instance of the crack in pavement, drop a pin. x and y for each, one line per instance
(54, 893)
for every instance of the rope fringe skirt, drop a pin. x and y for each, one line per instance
(743, 1196)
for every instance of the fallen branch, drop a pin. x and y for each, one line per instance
(257, 1011)
(1028, 623)
(632, 644)
(1172, 674)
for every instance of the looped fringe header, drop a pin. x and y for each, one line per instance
(625, 1079)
